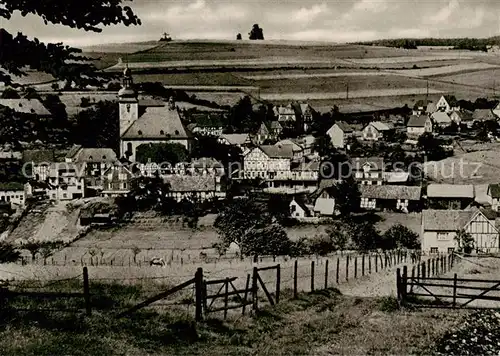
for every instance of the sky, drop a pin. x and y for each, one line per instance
(306, 20)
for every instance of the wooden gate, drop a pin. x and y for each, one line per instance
(239, 300)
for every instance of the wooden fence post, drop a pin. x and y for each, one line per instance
(198, 285)
(86, 291)
(226, 297)
(428, 269)
(398, 283)
(455, 290)
(247, 286)
(376, 263)
(370, 264)
(326, 274)
(295, 270)
(255, 299)
(363, 265)
(338, 266)
(347, 268)
(278, 283)
(404, 282)
(423, 270)
(412, 278)
(355, 267)
(312, 276)
(433, 272)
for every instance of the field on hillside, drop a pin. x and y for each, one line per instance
(486, 78)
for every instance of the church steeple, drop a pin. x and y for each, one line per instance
(127, 91)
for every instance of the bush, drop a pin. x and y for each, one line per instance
(321, 245)
(8, 253)
(388, 304)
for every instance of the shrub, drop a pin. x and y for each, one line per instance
(8, 253)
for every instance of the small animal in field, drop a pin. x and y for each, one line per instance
(156, 261)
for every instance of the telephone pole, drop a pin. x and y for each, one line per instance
(347, 90)
(427, 94)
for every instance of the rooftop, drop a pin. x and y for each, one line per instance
(417, 121)
(181, 183)
(392, 192)
(278, 151)
(450, 191)
(441, 117)
(157, 123)
(446, 220)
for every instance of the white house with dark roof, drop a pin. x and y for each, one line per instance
(197, 187)
(377, 130)
(441, 119)
(147, 125)
(268, 162)
(13, 193)
(299, 209)
(493, 194)
(238, 140)
(440, 227)
(368, 170)
(340, 133)
(447, 103)
(418, 125)
(390, 197)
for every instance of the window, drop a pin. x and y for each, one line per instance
(65, 195)
(442, 236)
(162, 132)
(434, 250)
(128, 107)
(176, 132)
(79, 187)
(451, 249)
(294, 208)
(139, 132)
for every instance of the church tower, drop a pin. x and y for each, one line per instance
(129, 104)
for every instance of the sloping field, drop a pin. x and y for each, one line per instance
(485, 78)
(445, 70)
(481, 167)
(340, 95)
(410, 58)
(121, 47)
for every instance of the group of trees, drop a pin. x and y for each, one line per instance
(63, 62)
(172, 153)
(474, 44)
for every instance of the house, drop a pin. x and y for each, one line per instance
(38, 163)
(298, 150)
(493, 194)
(496, 110)
(268, 131)
(304, 114)
(66, 180)
(377, 130)
(13, 193)
(324, 206)
(418, 125)
(390, 197)
(207, 124)
(27, 106)
(431, 108)
(398, 177)
(462, 117)
(483, 115)
(441, 119)
(116, 181)
(238, 140)
(147, 125)
(201, 166)
(447, 103)
(439, 229)
(96, 160)
(419, 108)
(200, 188)
(287, 115)
(450, 196)
(368, 170)
(299, 208)
(340, 134)
(37, 190)
(268, 162)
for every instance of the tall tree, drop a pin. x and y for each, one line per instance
(61, 61)
(347, 196)
(256, 33)
(98, 126)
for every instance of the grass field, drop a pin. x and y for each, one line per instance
(319, 323)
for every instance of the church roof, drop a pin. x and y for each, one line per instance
(157, 123)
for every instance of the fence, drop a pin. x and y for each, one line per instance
(212, 293)
(425, 288)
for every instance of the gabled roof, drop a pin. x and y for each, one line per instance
(295, 146)
(11, 186)
(105, 155)
(494, 190)
(263, 129)
(396, 177)
(325, 206)
(381, 126)
(236, 139)
(39, 156)
(464, 115)
(26, 106)
(376, 163)
(278, 151)
(450, 191)
(441, 117)
(286, 110)
(115, 169)
(483, 115)
(446, 220)
(431, 108)
(390, 192)
(275, 125)
(186, 183)
(451, 100)
(417, 121)
(344, 126)
(300, 202)
(157, 123)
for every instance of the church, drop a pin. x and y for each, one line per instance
(147, 124)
